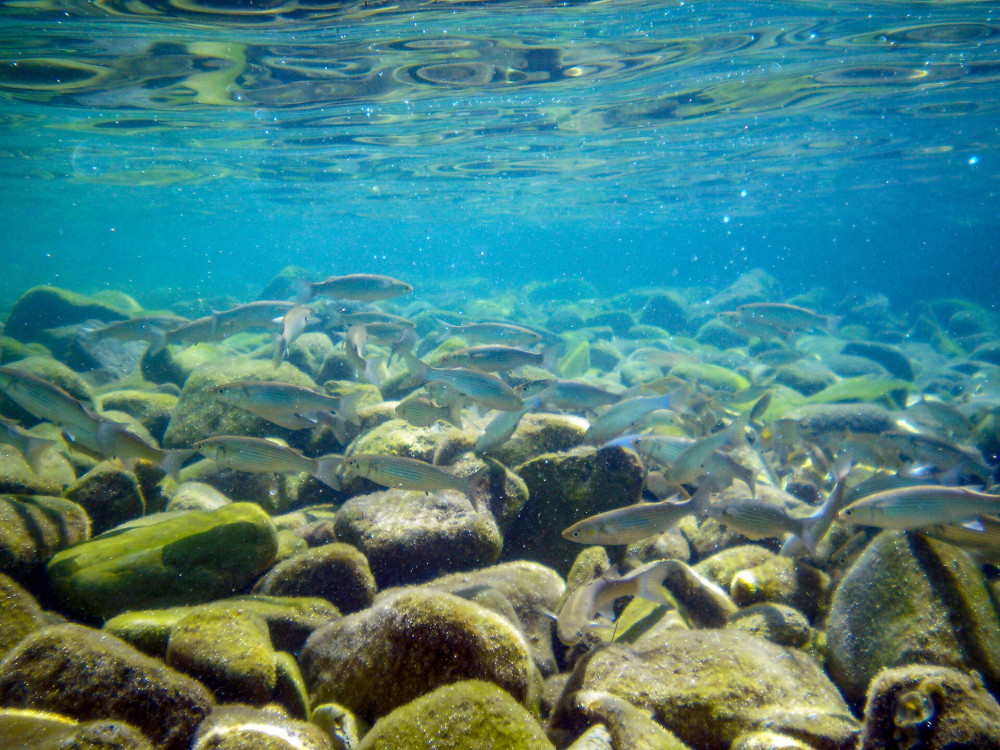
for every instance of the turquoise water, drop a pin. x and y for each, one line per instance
(195, 148)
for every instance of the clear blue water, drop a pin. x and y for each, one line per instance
(196, 147)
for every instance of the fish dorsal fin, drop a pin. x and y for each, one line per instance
(277, 441)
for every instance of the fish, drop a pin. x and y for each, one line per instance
(293, 324)
(498, 431)
(401, 472)
(294, 407)
(784, 317)
(493, 333)
(943, 454)
(422, 412)
(814, 527)
(263, 455)
(259, 314)
(51, 403)
(572, 395)
(148, 328)
(912, 508)
(721, 468)
(630, 523)
(482, 387)
(693, 461)
(499, 357)
(116, 440)
(595, 598)
(365, 287)
(757, 519)
(193, 332)
(32, 447)
(629, 413)
(980, 537)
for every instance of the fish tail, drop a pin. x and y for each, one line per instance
(303, 291)
(371, 370)
(327, 470)
(280, 351)
(454, 416)
(550, 359)
(348, 407)
(477, 489)
(173, 460)
(158, 343)
(649, 586)
(417, 370)
(35, 450)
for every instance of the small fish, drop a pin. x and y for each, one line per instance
(784, 317)
(630, 523)
(572, 395)
(721, 468)
(494, 333)
(401, 472)
(147, 328)
(291, 406)
(259, 314)
(365, 287)
(814, 527)
(51, 403)
(482, 387)
(629, 413)
(944, 455)
(116, 440)
(32, 447)
(693, 461)
(422, 412)
(261, 456)
(193, 332)
(499, 358)
(980, 537)
(911, 508)
(293, 325)
(757, 519)
(498, 431)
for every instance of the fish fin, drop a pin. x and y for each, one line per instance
(416, 369)
(158, 343)
(348, 407)
(371, 370)
(701, 501)
(477, 489)
(327, 470)
(34, 451)
(550, 358)
(173, 460)
(280, 351)
(454, 416)
(303, 291)
(547, 613)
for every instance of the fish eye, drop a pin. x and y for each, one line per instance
(576, 534)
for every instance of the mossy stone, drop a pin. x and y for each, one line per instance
(18, 478)
(783, 580)
(468, 715)
(44, 307)
(309, 352)
(273, 492)
(34, 528)
(336, 572)
(88, 674)
(666, 310)
(26, 729)
(173, 366)
(628, 726)
(110, 495)
(12, 350)
(410, 643)
(777, 623)
(183, 559)
(151, 409)
(290, 687)
(197, 496)
(290, 620)
(19, 614)
(236, 727)
(228, 653)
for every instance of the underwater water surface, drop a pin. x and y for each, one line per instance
(204, 145)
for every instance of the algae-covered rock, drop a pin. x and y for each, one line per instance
(196, 496)
(886, 355)
(540, 433)
(25, 729)
(309, 352)
(336, 572)
(344, 729)
(172, 366)
(929, 707)
(290, 620)
(899, 604)
(152, 409)
(468, 715)
(563, 488)
(775, 622)
(110, 495)
(231, 654)
(44, 307)
(409, 643)
(33, 529)
(724, 564)
(12, 350)
(412, 536)
(825, 419)
(629, 727)
(18, 478)
(88, 675)
(19, 615)
(243, 728)
(290, 688)
(709, 687)
(273, 492)
(667, 310)
(198, 415)
(182, 559)
(783, 580)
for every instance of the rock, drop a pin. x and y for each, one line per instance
(44, 307)
(336, 572)
(181, 559)
(88, 675)
(19, 615)
(468, 715)
(198, 415)
(290, 688)
(275, 493)
(151, 409)
(231, 654)
(806, 376)
(344, 729)
(563, 488)
(44, 730)
(245, 728)
(755, 285)
(12, 350)
(825, 419)
(172, 366)
(724, 564)
(33, 529)
(197, 496)
(783, 580)
(526, 590)
(929, 707)
(55, 373)
(409, 643)
(709, 687)
(110, 495)
(776, 623)
(669, 545)
(540, 433)
(716, 333)
(886, 355)
(666, 310)
(309, 352)
(768, 741)
(282, 286)
(413, 536)
(18, 478)
(639, 373)
(630, 728)
(898, 605)
(290, 620)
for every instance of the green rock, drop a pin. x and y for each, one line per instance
(719, 378)
(290, 620)
(290, 688)
(282, 286)
(173, 366)
(90, 675)
(776, 623)
(768, 741)
(151, 409)
(308, 353)
(110, 495)
(629, 727)
(336, 572)
(890, 357)
(540, 433)
(44, 307)
(639, 373)
(863, 388)
(563, 488)
(12, 350)
(228, 653)
(197, 496)
(899, 604)
(929, 707)
(17, 478)
(806, 376)
(19, 615)
(183, 559)
(34, 528)
(44, 730)
(410, 643)
(576, 361)
(198, 415)
(54, 372)
(469, 715)
(666, 310)
(245, 728)
(344, 729)
(708, 687)
(413, 536)
(716, 333)
(819, 420)
(783, 580)
(275, 493)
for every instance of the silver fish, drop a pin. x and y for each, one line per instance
(493, 333)
(366, 287)
(401, 472)
(917, 507)
(482, 387)
(630, 523)
(260, 456)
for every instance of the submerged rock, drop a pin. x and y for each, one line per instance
(110, 495)
(410, 643)
(628, 727)
(44, 307)
(19, 614)
(152, 409)
(235, 727)
(468, 715)
(33, 529)
(181, 559)
(18, 478)
(26, 729)
(336, 572)
(88, 675)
